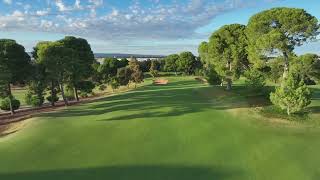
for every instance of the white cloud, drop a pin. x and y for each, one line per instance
(77, 4)
(90, 19)
(7, 1)
(61, 6)
(42, 12)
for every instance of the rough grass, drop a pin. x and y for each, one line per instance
(185, 130)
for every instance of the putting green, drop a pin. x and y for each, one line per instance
(184, 130)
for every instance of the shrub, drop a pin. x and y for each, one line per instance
(102, 87)
(86, 86)
(114, 83)
(69, 93)
(54, 99)
(255, 79)
(5, 104)
(34, 100)
(212, 76)
(293, 95)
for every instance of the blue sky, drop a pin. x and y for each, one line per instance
(134, 26)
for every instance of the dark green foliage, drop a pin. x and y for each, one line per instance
(56, 58)
(5, 103)
(145, 65)
(115, 84)
(33, 100)
(293, 95)
(276, 69)
(212, 76)
(186, 63)
(102, 87)
(85, 87)
(37, 85)
(279, 30)
(203, 51)
(124, 75)
(136, 73)
(153, 69)
(123, 63)
(171, 63)
(308, 67)
(255, 79)
(54, 99)
(15, 66)
(108, 68)
(227, 52)
(14, 60)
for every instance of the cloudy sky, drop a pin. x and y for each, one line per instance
(133, 26)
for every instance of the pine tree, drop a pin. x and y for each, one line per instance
(293, 95)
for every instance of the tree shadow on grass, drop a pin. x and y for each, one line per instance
(131, 173)
(160, 102)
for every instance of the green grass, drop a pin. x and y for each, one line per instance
(182, 131)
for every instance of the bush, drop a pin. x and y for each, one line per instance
(54, 99)
(33, 100)
(293, 95)
(255, 79)
(114, 83)
(86, 86)
(69, 93)
(102, 87)
(5, 104)
(212, 76)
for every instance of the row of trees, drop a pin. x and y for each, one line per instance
(66, 66)
(184, 62)
(265, 49)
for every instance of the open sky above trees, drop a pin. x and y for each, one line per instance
(133, 26)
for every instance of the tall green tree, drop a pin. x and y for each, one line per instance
(171, 63)
(153, 69)
(42, 68)
(227, 52)
(124, 76)
(80, 68)
(276, 69)
(186, 62)
(14, 64)
(307, 66)
(56, 58)
(136, 72)
(108, 69)
(293, 96)
(279, 31)
(37, 85)
(203, 51)
(123, 62)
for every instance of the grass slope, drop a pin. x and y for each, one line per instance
(181, 131)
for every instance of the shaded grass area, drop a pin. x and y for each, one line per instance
(133, 172)
(185, 130)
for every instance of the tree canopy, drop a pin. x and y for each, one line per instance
(227, 51)
(279, 30)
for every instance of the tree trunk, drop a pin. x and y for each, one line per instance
(52, 93)
(62, 93)
(229, 79)
(76, 93)
(286, 65)
(229, 84)
(288, 111)
(10, 99)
